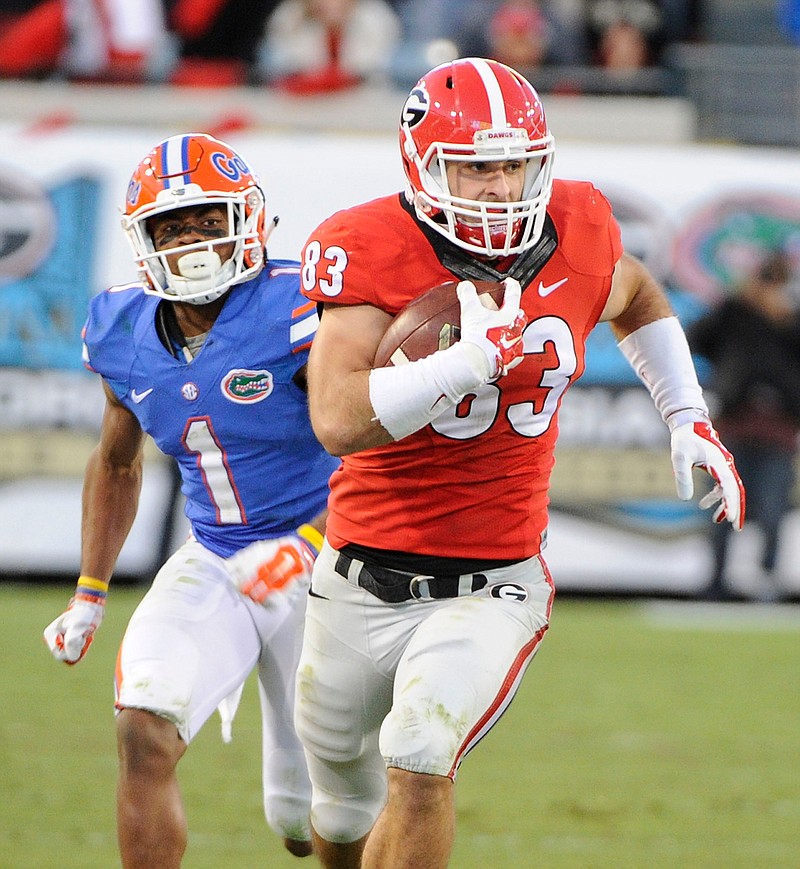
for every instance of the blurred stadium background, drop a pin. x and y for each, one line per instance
(648, 733)
(701, 167)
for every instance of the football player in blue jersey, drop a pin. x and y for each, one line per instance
(207, 355)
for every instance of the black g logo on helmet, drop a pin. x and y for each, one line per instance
(416, 107)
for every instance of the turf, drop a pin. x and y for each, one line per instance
(641, 737)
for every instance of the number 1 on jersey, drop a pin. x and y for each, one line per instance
(199, 439)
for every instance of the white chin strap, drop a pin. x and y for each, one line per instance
(202, 277)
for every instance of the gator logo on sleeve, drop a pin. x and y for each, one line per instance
(246, 387)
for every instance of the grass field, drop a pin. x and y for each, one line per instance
(644, 735)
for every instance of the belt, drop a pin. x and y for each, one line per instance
(397, 586)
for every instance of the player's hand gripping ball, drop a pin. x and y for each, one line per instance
(430, 322)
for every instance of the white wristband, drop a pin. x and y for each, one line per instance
(659, 354)
(406, 398)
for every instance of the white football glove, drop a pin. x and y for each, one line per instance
(266, 568)
(697, 445)
(497, 333)
(70, 635)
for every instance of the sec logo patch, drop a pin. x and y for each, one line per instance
(509, 591)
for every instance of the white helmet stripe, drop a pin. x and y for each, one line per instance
(174, 161)
(493, 92)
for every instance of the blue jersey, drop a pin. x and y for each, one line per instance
(233, 418)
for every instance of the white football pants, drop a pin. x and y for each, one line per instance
(413, 685)
(193, 640)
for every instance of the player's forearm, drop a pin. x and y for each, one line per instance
(342, 415)
(110, 501)
(371, 408)
(338, 370)
(659, 353)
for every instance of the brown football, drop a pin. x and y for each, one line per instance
(428, 323)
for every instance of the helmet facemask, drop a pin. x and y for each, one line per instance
(203, 277)
(489, 228)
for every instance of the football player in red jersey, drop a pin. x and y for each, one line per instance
(430, 596)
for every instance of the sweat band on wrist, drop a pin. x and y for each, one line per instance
(406, 398)
(659, 353)
(311, 536)
(91, 590)
(91, 583)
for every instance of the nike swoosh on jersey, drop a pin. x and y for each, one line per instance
(546, 290)
(137, 397)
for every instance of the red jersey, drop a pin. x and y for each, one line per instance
(474, 483)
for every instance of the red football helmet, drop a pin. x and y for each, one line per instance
(476, 110)
(195, 169)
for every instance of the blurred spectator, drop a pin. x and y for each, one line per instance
(438, 31)
(461, 21)
(219, 39)
(753, 343)
(623, 47)
(681, 20)
(519, 34)
(116, 40)
(96, 40)
(569, 44)
(312, 46)
(625, 35)
(32, 37)
(435, 31)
